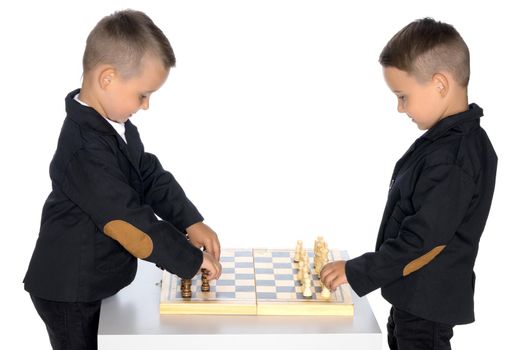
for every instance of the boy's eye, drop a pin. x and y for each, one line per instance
(401, 98)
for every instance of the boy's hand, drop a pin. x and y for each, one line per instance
(202, 236)
(333, 274)
(211, 265)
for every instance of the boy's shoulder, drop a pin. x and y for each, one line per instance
(83, 130)
(460, 142)
(84, 126)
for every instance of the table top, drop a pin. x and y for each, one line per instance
(135, 311)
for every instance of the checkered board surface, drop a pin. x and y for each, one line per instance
(256, 282)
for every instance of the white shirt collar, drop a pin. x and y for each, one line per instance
(119, 127)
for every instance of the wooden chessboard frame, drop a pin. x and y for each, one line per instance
(256, 282)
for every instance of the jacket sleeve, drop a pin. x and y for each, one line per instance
(94, 181)
(441, 198)
(164, 194)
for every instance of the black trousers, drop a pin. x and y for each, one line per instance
(409, 332)
(71, 326)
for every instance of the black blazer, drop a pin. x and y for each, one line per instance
(437, 206)
(101, 213)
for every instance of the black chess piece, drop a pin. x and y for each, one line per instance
(205, 287)
(185, 288)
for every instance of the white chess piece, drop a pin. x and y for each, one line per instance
(298, 250)
(307, 288)
(306, 276)
(325, 292)
(305, 258)
(317, 262)
(301, 271)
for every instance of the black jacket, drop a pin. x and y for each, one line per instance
(100, 215)
(437, 206)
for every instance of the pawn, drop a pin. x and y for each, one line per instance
(307, 288)
(185, 288)
(300, 268)
(306, 276)
(205, 287)
(325, 292)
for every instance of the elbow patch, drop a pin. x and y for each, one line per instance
(134, 240)
(418, 263)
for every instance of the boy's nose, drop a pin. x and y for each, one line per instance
(400, 107)
(145, 104)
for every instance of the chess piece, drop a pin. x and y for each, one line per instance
(305, 258)
(317, 260)
(300, 271)
(306, 276)
(205, 287)
(185, 288)
(325, 292)
(319, 242)
(323, 259)
(307, 288)
(298, 250)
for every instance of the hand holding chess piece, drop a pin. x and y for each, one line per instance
(211, 269)
(211, 265)
(333, 274)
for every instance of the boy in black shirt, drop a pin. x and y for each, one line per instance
(101, 214)
(439, 198)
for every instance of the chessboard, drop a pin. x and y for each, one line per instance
(257, 282)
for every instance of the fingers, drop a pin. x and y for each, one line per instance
(214, 248)
(327, 270)
(202, 236)
(324, 271)
(336, 282)
(333, 275)
(328, 277)
(212, 266)
(216, 273)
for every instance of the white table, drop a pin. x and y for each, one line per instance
(130, 320)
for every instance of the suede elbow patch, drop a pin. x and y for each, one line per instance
(418, 263)
(134, 240)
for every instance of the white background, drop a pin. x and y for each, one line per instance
(277, 123)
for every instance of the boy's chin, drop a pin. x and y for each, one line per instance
(119, 119)
(421, 127)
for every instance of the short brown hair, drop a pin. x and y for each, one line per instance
(122, 39)
(425, 47)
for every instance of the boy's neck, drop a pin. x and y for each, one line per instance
(90, 99)
(458, 104)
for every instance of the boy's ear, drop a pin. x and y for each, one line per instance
(440, 81)
(105, 77)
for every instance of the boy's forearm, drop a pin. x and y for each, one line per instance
(93, 182)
